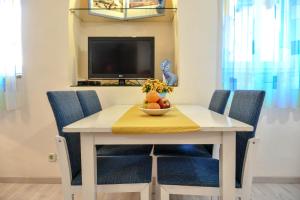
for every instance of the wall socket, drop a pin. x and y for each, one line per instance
(52, 157)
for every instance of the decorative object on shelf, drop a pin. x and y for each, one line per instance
(142, 3)
(156, 91)
(162, 94)
(169, 77)
(161, 6)
(108, 4)
(127, 9)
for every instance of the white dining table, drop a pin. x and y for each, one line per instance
(214, 129)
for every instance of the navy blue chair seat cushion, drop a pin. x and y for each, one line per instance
(121, 170)
(189, 171)
(181, 150)
(124, 150)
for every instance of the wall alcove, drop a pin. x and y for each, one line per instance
(83, 24)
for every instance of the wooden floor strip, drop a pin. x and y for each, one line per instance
(14, 191)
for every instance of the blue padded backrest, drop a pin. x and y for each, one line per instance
(67, 109)
(245, 107)
(217, 104)
(219, 100)
(89, 102)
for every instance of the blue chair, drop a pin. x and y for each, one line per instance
(204, 172)
(89, 101)
(219, 100)
(90, 105)
(217, 104)
(133, 172)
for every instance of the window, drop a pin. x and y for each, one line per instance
(10, 51)
(261, 48)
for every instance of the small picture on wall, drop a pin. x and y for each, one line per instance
(143, 3)
(116, 5)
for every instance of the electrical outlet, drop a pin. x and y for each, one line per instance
(52, 157)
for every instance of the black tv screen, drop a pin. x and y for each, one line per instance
(121, 57)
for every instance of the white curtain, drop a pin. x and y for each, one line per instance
(10, 52)
(261, 49)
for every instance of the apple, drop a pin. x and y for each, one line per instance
(164, 103)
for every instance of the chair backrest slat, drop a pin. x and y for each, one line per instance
(66, 109)
(245, 107)
(89, 102)
(219, 100)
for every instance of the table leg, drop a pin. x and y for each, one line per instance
(154, 186)
(88, 167)
(227, 166)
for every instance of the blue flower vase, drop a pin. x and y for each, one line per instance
(162, 94)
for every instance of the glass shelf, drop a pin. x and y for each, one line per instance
(124, 14)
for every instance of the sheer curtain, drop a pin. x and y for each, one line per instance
(261, 48)
(10, 52)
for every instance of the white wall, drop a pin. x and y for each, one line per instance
(27, 135)
(279, 150)
(74, 33)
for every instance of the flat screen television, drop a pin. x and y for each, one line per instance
(121, 57)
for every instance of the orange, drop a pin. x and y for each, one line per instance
(153, 106)
(152, 97)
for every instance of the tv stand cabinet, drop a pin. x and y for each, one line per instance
(106, 83)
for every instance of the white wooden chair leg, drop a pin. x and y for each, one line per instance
(156, 195)
(246, 196)
(68, 195)
(65, 167)
(151, 186)
(145, 193)
(164, 195)
(152, 194)
(215, 198)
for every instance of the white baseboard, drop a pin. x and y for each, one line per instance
(277, 180)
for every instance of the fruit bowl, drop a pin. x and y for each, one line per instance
(155, 112)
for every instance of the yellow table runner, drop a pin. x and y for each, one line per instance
(134, 121)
